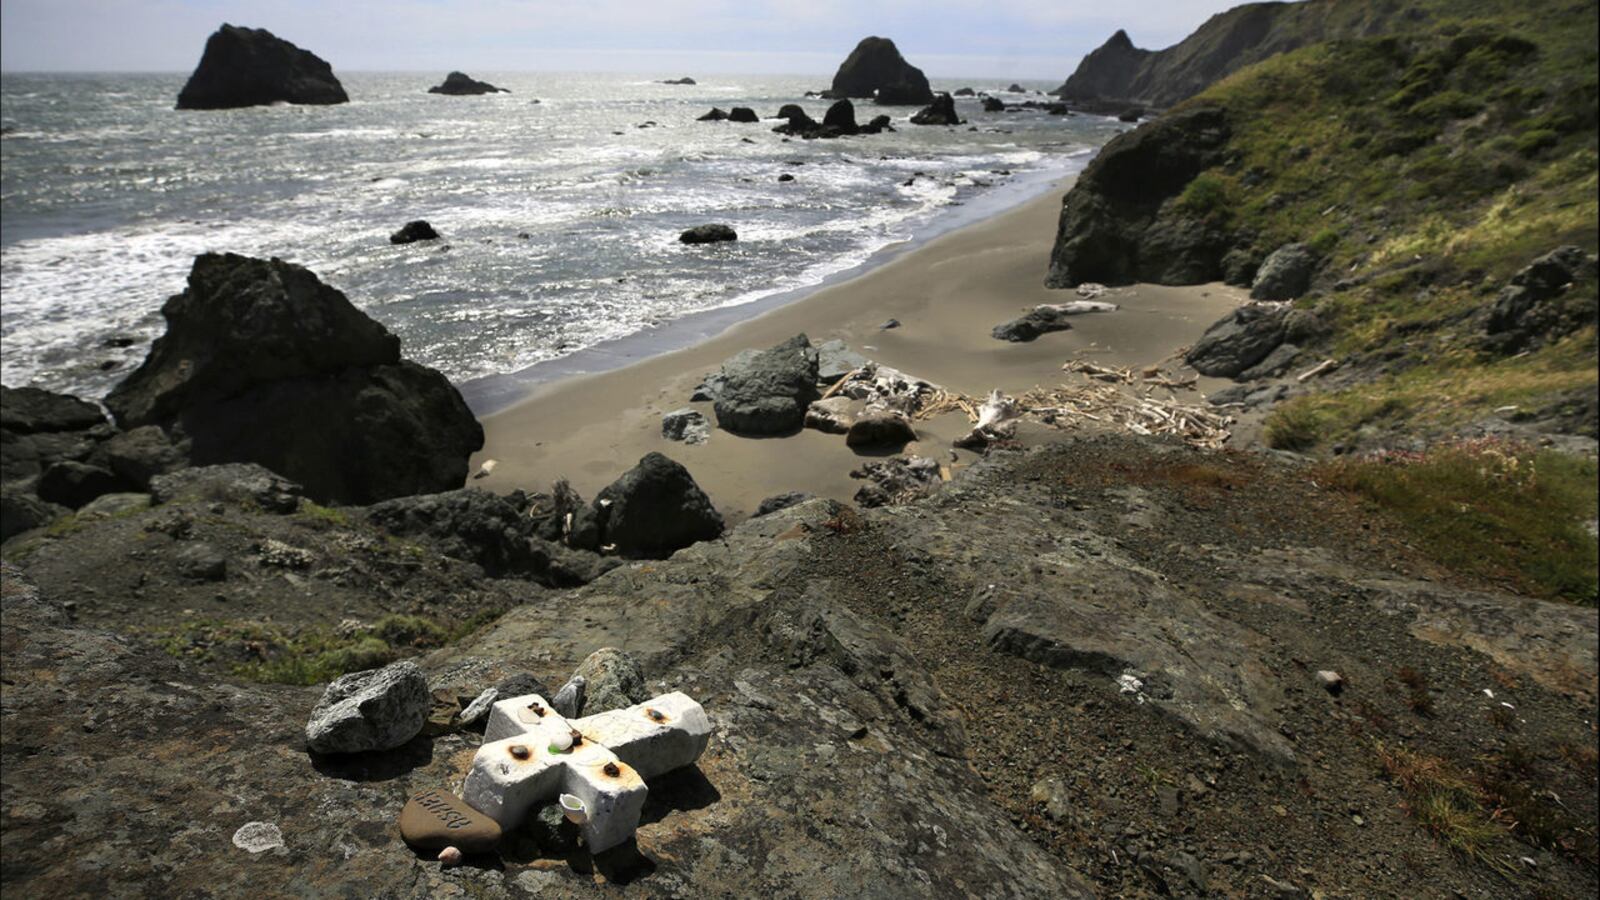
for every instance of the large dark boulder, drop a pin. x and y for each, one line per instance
(1121, 223)
(413, 231)
(942, 111)
(461, 84)
(993, 104)
(715, 115)
(708, 234)
(1538, 305)
(139, 455)
(72, 484)
(22, 510)
(264, 363)
(1286, 274)
(875, 69)
(743, 114)
(39, 428)
(1041, 320)
(1239, 340)
(654, 509)
(841, 117)
(798, 122)
(253, 67)
(767, 392)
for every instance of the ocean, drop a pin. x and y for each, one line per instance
(559, 206)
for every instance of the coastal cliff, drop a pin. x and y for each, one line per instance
(1118, 73)
(1405, 189)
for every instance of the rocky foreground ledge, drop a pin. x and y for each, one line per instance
(1107, 666)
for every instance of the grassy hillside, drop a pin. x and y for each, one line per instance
(1427, 167)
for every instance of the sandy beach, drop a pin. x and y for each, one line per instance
(947, 295)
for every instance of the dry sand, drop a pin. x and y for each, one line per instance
(947, 294)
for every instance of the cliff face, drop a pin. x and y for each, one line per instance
(1120, 72)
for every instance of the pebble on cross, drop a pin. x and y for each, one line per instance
(531, 754)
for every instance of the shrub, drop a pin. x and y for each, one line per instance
(1206, 196)
(1534, 140)
(1293, 426)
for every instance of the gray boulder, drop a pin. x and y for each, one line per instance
(1536, 307)
(880, 430)
(263, 363)
(235, 483)
(569, 700)
(22, 510)
(767, 392)
(611, 679)
(73, 484)
(1238, 340)
(378, 709)
(39, 428)
(139, 455)
(686, 425)
(1285, 274)
(654, 509)
(835, 360)
(31, 410)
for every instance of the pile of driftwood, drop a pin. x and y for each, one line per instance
(1108, 396)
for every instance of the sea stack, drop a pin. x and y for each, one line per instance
(462, 84)
(254, 67)
(876, 69)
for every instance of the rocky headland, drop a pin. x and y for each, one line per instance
(254, 67)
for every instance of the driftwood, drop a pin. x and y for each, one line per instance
(1317, 369)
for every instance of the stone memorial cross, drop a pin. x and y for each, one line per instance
(531, 754)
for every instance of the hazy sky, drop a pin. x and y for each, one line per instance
(946, 38)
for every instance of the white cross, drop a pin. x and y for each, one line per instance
(531, 754)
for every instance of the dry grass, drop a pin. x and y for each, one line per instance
(1447, 803)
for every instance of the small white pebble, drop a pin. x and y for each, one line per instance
(450, 856)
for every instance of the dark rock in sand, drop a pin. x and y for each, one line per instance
(412, 232)
(835, 360)
(1042, 320)
(716, 115)
(73, 484)
(875, 69)
(378, 709)
(461, 84)
(264, 363)
(654, 509)
(743, 114)
(767, 392)
(1286, 274)
(880, 430)
(942, 111)
(252, 67)
(993, 104)
(780, 501)
(708, 234)
(1239, 340)
(892, 482)
(1116, 226)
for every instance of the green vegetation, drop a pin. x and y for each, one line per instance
(1426, 166)
(1502, 512)
(260, 651)
(323, 515)
(1447, 803)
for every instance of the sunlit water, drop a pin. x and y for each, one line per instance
(560, 218)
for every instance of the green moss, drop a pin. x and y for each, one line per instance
(1498, 511)
(323, 515)
(266, 652)
(1207, 196)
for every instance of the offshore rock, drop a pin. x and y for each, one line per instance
(942, 111)
(461, 84)
(708, 234)
(264, 363)
(875, 69)
(252, 67)
(411, 232)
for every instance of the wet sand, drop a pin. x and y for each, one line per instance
(947, 295)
